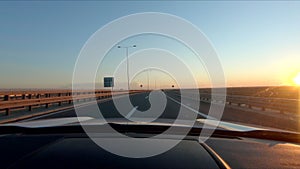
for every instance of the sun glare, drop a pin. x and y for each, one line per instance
(297, 79)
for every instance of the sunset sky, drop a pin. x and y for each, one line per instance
(258, 43)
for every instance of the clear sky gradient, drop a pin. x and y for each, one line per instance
(258, 42)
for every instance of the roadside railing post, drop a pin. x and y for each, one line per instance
(6, 97)
(7, 111)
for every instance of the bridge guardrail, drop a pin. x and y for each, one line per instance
(279, 104)
(13, 100)
(283, 105)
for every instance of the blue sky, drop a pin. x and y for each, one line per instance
(258, 42)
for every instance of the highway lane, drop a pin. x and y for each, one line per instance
(252, 117)
(139, 102)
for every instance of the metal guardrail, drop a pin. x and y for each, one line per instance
(282, 105)
(13, 100)
(263, 103)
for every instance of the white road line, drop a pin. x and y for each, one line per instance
(131, 112)
(193, 110)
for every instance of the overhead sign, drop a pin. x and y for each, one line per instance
(108, 82)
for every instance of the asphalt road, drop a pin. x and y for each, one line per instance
(141, 103)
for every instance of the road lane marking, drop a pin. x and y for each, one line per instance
(193, 110)
(131, 112)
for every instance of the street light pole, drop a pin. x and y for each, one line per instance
(128, 85)
(148, 72)
(127, 58)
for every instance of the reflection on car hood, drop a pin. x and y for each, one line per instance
(49, 122)
(200, 123)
